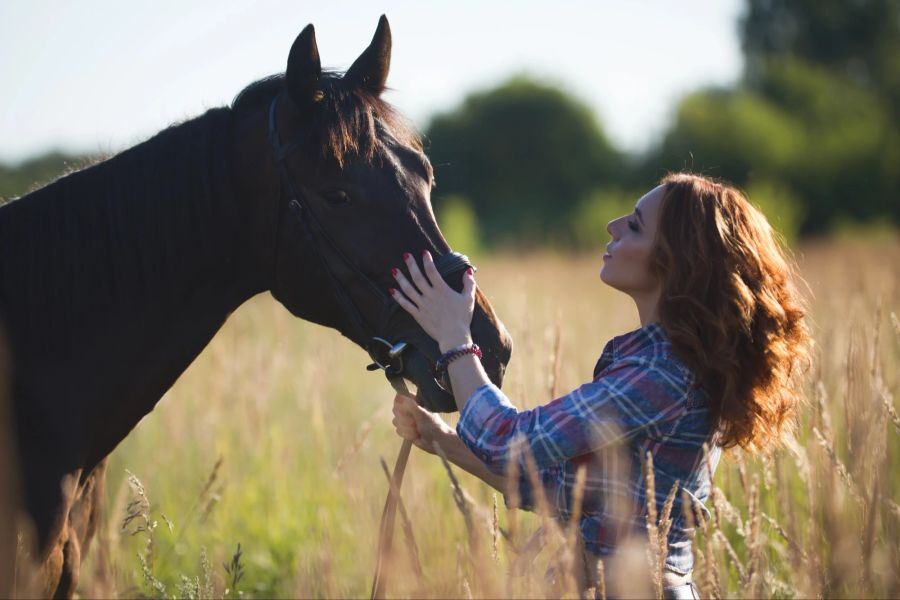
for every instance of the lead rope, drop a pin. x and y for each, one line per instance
(389, 514)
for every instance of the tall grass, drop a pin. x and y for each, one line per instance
(274, 437)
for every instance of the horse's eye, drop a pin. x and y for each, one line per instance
(336, 196)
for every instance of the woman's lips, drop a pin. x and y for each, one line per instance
(607, 255)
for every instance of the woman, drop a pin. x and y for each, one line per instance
(714, 361)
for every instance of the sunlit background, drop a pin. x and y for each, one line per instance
(796, 103)
(543, 120)
(97, 75)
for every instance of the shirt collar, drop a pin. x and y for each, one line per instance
(634, 341)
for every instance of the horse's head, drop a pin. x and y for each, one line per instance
(353, 193)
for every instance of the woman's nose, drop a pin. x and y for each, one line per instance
(610, 229)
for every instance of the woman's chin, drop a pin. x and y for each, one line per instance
(604, 276)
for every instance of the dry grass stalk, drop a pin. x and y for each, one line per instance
(495, 532)
(868, 541)
(874, 364)
(732, 555)
(206, 498)
(742, 471)
(793, 544)
(577, 501)
(573, 558)
(710, 562)
(601, 580)
(723, 508)
(405, 523)
(893, 507)
(653, 550)
(887, 400)
(528, 552)
(839, 467)
(850, 394)
(549, 525)
(800, 457)
(754, 543)
(460, 499)
(466, 589)
(466, 507)
(665, 523)
(480, 514)
(513, 498)
(354, 449)
(555, 362)
(542, 505)
(537, 486)
(821, 398)
(138, 508)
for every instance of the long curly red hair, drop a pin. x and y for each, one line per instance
(730, 308)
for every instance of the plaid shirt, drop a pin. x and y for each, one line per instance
(641, 399)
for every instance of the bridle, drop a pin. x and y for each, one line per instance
(385, 354)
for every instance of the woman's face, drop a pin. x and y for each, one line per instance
(626, 264)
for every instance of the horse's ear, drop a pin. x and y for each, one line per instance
(370, 70)
(303, 68)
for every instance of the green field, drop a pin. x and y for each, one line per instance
(272, 440)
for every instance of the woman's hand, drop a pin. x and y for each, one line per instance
(440, 311)
(417, 425)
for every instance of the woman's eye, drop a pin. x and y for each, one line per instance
(336, 196)
(632, 226)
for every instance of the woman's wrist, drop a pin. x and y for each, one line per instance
(450, 342)
(444, 436)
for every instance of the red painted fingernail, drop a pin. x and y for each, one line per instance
(392, 291)
(395, 272)
(406, 256)
(469, 271)
(424, 252)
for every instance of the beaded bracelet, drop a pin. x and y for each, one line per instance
(449, 356)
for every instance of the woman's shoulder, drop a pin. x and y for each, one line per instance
(648, 352)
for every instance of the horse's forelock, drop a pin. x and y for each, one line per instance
(346, 120)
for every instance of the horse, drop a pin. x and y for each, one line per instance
(113, 278)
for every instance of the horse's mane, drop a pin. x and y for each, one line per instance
(345, 118)
(115, 229)
(120, 227)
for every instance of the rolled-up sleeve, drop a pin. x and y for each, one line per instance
(634, 394)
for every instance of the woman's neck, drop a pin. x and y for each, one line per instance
(647, 307)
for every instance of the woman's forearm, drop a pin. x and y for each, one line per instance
(466, 373)
(460, 455)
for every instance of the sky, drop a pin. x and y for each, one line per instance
(100, 76)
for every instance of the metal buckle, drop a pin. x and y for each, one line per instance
(443, 381)
(386, 356)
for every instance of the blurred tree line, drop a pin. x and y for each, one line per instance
(810, 133)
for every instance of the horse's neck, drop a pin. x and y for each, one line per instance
(125, 286)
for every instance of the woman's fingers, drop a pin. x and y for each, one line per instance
(404, 302)
(403, 415)
(469, 282)
(408, 289)
(416, 274)
(431, 271)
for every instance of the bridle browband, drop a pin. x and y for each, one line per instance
(385, 355)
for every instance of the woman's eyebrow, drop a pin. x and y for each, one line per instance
(637, 211)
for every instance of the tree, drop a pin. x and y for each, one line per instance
(36, 172)
(815, 116)
(858, 40)
(525, 154)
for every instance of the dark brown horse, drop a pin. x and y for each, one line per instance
(114, 278)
